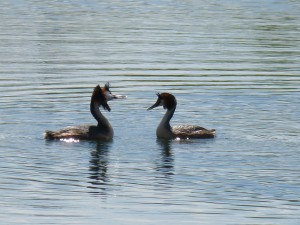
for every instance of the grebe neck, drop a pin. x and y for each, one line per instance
(164, 129)
(95, 111)
(167, 117)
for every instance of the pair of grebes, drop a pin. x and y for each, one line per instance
(104, 131)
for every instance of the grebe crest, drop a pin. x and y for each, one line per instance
(164, 130)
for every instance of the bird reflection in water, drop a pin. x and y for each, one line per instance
(166, 165)
(99, 163)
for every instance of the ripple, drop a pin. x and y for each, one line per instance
(232, 67)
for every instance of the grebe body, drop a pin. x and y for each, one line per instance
(102, 131)
(81, 132)
(164, 130)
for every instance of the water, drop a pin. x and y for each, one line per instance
(233, 66)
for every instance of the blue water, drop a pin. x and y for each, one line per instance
(232, 65)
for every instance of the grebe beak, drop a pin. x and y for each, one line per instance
(109, 96)
(156, 104)
(119, 96)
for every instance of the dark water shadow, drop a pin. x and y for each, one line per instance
(166, 163)
(98, 168)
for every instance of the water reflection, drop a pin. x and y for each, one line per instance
(166, 165)
(235, 61)
(99, 162)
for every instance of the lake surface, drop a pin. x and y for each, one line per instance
(232, 65)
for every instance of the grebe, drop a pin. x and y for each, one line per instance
(103, 130)
(164, 130)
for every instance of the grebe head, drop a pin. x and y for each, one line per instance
(168, 101)
(108, 95)
(99, 98)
